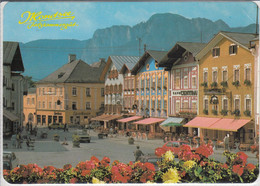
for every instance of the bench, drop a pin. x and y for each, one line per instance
(244, 146)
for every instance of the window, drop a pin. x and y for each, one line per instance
(102, 105)
(39, 91)
(177, 107)
(156, 65)
(185, 80)
(215, 76)
(185, 106)
(225, 104)
(165, 104)
(28, 101)
(205, 76)
(248, 104)
(55, 90)
(50, 105)
(216, 52)
(33, 101)
(71, 119)
(74, 91)
(147, 104)
(194, 106)
(247, 74)
(147, 66)
(43, 104)
(153, 104)
(237, 104)
(88, 106)
(148, 83)
(102, 92)
(39, 104)
(194, 82)
(177, 80)
(74, 106)
(236, 75)
(233, 49)
(224, 75)
(43, 91)
(88, 92)
(159, 104)
(50, 90)
(55, 105)
(60, 91)
(159, 83)
(206, 104)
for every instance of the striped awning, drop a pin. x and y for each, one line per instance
(172, 122)
(111, 117)
(11, 116)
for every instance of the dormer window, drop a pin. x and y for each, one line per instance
(61, 74)
(216, 52)
(156, 64)
(232, 49)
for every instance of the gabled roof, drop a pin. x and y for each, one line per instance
(12, 56)
(76, 71)
(119, 61)
(157, 55)
(241, 39)
(177, 51)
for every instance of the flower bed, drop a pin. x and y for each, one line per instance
(193, 167)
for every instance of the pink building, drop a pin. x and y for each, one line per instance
(183, 80)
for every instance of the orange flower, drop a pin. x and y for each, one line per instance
(250, 167)
(85, 172)
(238, 169)
(73, 180)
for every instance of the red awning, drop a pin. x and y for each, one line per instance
(149, 121)
(125, 120)
(229, 124)
(202, 122)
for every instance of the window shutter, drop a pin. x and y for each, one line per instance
(235, 49)
(230, 49)
(218, 52)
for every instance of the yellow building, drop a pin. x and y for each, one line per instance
(226, 88)
(29, 107)
(72, 94)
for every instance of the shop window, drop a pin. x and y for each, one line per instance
(43, 119)
(232, 49)
(49, 119)
(54, 119)
(60, 119)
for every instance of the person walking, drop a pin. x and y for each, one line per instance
(65, 127)
(226, 142)
(138, 153)
(19, 141)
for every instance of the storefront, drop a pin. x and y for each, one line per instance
(46, 118)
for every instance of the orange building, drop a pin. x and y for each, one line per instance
(226, 88)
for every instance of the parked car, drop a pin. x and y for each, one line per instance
(10, 160)
(173, 146)
(83, 136)
(56, 126)
(151, 159)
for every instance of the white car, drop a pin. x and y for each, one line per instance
(10, 160)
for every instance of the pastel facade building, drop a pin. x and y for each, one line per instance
(14, 87)
(226, 88)
(183, 83)
(73, 94)
(29, 107)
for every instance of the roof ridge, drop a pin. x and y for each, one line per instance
(77, 61)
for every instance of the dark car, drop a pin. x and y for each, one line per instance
(10, 160)
(151, 159)
(56, 126)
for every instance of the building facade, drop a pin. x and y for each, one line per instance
(14, 87)
(226, 88)
(151, 85)
(29, 107)
(73, 94)
(183, 81)
(114, 83)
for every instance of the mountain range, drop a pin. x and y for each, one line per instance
(159, 32)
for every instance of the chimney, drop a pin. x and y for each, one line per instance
(72, 57)
(102, 59)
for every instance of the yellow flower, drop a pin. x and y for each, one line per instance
(97, 181)
(168, 156)
(171, 176)
(189, 164)
(150, 182)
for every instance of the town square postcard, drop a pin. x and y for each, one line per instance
(129, 92)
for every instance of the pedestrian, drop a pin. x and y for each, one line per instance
(65, 127)
(19, 141)
(27, 126)
(138, 153)
(194, 133)
(111, 130)
(226, 142)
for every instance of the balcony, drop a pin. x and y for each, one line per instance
(187, 112)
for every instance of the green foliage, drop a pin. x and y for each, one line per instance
(224, 112)
(204, 84)
(236, 83)
(224, 84)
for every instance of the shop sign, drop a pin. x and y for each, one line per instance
(57, 113)
(185, 93)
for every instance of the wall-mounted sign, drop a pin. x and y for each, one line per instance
(185, 93)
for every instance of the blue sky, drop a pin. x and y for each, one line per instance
(95, 15)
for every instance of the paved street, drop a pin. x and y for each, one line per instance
(49, 152)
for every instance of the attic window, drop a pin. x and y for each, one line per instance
(216, 52)
(61, 74)
(232, 49)
(156, 64)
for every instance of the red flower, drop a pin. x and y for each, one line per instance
(67, 167)
(73, 180)
(95, 159)
(241, 158)
(224, 166)
(6, 172)
(250, 167)
(204, 150)
(183, 173)
(149, 166)
(85, 172)
(203, 163)
(238, 169)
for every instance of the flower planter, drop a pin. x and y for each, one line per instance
(131, 141)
